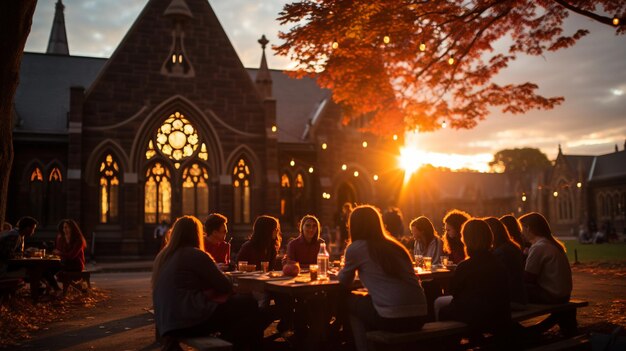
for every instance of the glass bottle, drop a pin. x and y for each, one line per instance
(322, 261)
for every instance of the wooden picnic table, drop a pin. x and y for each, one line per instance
(35, 267)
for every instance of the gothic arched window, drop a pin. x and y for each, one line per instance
(108, 194)
(241, 185)
(35, 192)
(285, 195)
(195, 190)
(176, 138)
(158, 194)
(54, 196)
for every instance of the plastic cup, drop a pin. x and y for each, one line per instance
(428, 263)
(313, 271)
(242, 265)
(265, 265)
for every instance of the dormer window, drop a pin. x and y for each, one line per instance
(177, 63)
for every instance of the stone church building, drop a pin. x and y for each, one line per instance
(172, 124)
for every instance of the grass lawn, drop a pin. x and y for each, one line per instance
(596, 252)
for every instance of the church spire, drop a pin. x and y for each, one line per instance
(263, 77)
(57, 44)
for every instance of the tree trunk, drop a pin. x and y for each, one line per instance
(16, 17)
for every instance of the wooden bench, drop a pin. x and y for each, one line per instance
(75, 280)
(438, 330)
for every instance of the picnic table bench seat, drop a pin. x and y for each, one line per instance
(68, 278)
(207, 343)
(435, 330)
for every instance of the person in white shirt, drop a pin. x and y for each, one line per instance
(547, 276)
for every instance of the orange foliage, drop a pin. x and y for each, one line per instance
(369, 54)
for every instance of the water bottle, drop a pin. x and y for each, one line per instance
(322, 261)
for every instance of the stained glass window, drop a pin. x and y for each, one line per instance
(35, 192)
(109, 174)
(158, 194)
(241, 185)
(54, 198)
(195, 190)
(176, 138)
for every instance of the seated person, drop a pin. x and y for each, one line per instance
(216, 230)
(396, 300)
(427, 241)
(479, 287)
(70, 246)
(547, 275)
(452, 244)
(192, 297)
(263, 244)
(306, 246)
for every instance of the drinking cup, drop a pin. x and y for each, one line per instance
(419, 261)
(265, 266)
(242, 265)
(428, 261)
(313, 271)
(444, 260)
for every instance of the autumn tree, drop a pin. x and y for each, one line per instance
(407, 64)
(15, 22)
(519, 160)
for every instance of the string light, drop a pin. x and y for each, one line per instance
(274, 129)
(386, 39)
(344, 167)
(451, 60)
(324, 146)
(444, 124)
(422, 47)
(335, 45)
(395, 137)
(326, 195)
(375, 177)
(310, 169)
(524, 197)
(579, 184)
(356, 173)
(615, 21)
(555, 194)
(292, 163)
(364, 144)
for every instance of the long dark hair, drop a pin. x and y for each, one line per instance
(538, 225)
(76, 237)
(261, 239)
(477, 237)
(515, 230)
(317, 223)
(500, 234)
(454, 218)
(426, 228)
(366, 224)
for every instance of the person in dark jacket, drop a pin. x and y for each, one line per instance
(306, 246)
(192, 297)
(263, 244)
(480, 292)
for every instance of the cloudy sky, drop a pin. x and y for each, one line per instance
(591, 76)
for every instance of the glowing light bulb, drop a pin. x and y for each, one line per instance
(356, 173)
(422, 47)
(579, 184)
(274, 129)
(375, 177)
(364, 144)
(386, 39)
(344, 167)
(324, 146)
(292, 163)
(395, 137)
(310, 169)
(335, 45)
(524, 198)
(444, 124)
(451, 60)
(555, 194)
(615, 21)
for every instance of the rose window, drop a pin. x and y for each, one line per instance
(177, 138)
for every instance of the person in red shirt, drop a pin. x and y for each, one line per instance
(305, 247)
(215, 244)
(70, 246)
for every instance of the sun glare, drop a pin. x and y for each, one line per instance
(413, 157)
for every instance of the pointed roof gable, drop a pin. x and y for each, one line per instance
(57, 44)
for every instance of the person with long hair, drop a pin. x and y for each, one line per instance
(215, 243)
(192, 297)
(515, 230)
(480, 292)
(396, 300)
(547, 275)
(70, 246)
(452, 244)
(306, 246)
(510, 254)
(263, 244)
(427, 241)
